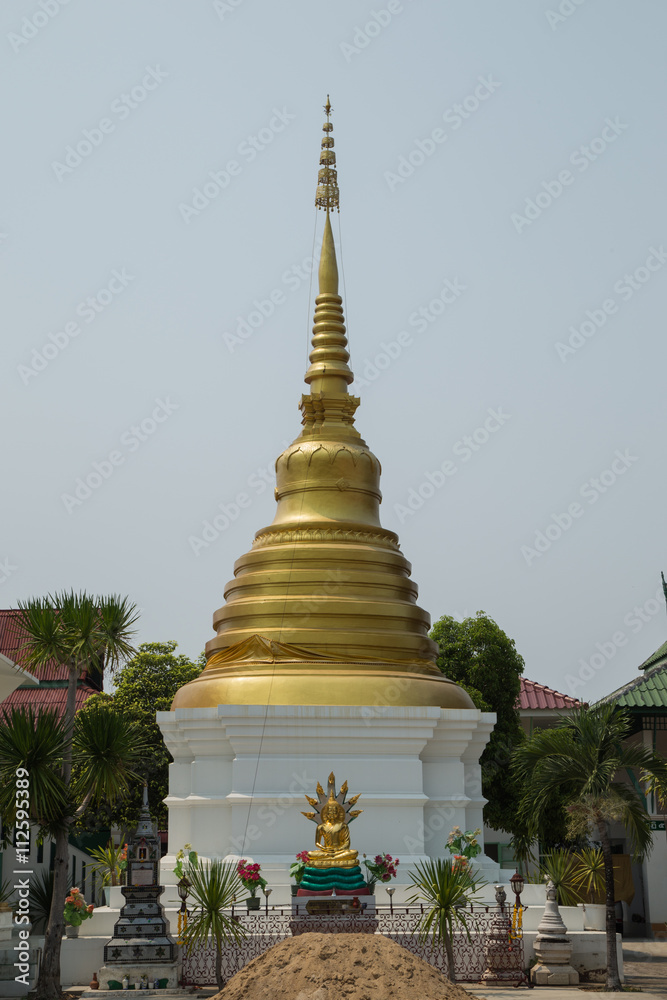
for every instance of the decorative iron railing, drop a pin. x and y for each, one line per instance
(491, 951)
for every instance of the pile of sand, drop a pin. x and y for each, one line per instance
(328, 966)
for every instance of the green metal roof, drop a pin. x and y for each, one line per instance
(647, 692)
(655, 658)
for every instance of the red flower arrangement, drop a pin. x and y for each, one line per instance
(250, 876)
(298, 867)
(76, 910)
(381, 869)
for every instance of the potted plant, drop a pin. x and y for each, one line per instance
(250, 878)
(560, 867)
(588, 879)
(464, 845)
(186, 857)
(381, 869)
(75, 912)
(297, 868)
(111, 866)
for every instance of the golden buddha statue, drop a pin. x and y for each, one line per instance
(332, 837)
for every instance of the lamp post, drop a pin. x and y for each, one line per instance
(390, 893)
(267, 893)
(517, 882)
(183, 888)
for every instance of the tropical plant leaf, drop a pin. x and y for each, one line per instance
(77, 629)
(443, 885)
(108, 752)
(33, 741)
(588, 876)
(41, 894)
(108, 863)
(561, 867)
(214, 887)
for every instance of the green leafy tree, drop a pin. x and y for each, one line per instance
(146, 684)
(80, 632)
(106, 750)
(479, 656)
(583, 758)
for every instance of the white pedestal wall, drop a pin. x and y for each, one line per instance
(240, 774)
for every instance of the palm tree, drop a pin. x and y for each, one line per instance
(445, 886)
(582, 757)
(106, 751)
(214, 887)
(81, 632)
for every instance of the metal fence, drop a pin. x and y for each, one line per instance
(491, 951)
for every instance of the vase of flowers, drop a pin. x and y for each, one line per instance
(251, 879)
(297, 869)
(464, 846)
(186, 857)
(381, 869)
(75, 912)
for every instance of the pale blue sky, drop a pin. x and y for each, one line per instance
(170, 92)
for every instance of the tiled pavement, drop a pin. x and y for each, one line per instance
(645, 964)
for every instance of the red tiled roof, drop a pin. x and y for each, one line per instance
(13, 637)
(534, 695)
(46, 699)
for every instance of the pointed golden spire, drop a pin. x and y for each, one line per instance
(329, 371)
(328, 272)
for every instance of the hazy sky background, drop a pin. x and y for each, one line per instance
(209, 76)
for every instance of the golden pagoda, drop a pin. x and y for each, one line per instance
(322, 610)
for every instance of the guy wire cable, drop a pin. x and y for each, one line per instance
(291, 567)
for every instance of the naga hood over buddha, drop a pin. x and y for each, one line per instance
(333, 867)
(322, 610)
(332, 837)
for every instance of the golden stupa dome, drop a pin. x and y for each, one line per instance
(322, 610)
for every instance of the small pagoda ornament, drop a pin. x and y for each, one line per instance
(333, 867)
(141, 942)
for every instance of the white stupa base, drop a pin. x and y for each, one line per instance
(553, 973)
(171, 971)
(240, 774)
